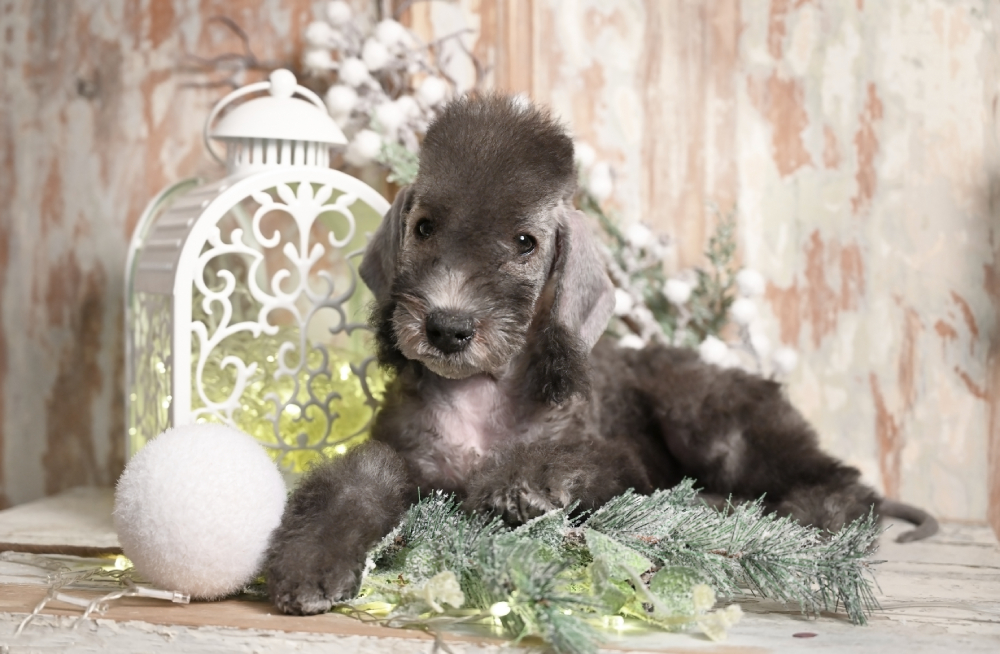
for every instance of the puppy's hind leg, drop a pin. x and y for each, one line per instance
(339, 511)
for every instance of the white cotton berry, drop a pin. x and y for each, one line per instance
(623, 302)
(319, 34)
(639, 236)
(677, 291)
(743, 311)
(714, 351)
(785, 359)
(585, 156)
(432, 91)
(408, 106)
(631, 342)
(317, 60)
(364, 148)
(340, 101)
(391, 33)
(338, 13)
(520, 102)
(761, 343)
(600, 183)
(389, 118)
(375, 55)
(353, 72)
(750, 282)
(195, 508)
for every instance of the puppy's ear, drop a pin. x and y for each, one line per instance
(378, 265)
(585, 296)
(582, 303)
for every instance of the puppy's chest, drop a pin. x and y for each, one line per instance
(469, 418)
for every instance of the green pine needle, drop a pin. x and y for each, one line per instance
(642, 556)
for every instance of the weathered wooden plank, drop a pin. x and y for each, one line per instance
(95, 117)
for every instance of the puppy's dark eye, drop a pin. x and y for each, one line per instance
(525, 244)
(424, 228)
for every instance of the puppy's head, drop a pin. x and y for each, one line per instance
(485, 247)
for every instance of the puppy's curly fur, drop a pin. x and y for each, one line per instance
(491, 298)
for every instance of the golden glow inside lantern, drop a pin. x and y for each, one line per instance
(243, 302)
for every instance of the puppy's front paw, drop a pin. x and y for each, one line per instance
(300, 590)
(521, 503)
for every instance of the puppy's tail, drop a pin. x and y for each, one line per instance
(925, 522)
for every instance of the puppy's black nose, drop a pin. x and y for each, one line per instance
(449, 332)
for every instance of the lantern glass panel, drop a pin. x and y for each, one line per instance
(149, 392)
(279, 345)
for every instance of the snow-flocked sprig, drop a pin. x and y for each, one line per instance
(385, 85)
(713, 309)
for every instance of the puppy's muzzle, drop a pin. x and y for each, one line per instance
(449, 331)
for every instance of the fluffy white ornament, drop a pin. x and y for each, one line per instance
(600, 184)
(677, 291)
(631, 342)
(364, 148)
(375, 55)
(432, 91)
(389, 117)
(340, 101)
(338, 13)
(639, 236)
(408, 106)
(585, 155)
(353, 72)
(785, 359)
(317, 60)
(195, 507)
(623, 302)
(391, 33)
(743, 311)
(750, 282)
(714, 351)
(320, 34)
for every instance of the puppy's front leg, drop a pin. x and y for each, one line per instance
(338, 512)
(525, 480)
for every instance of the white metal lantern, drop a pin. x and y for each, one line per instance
(243, 302)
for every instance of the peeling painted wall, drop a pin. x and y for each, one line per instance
(857, 141)
(95, 118)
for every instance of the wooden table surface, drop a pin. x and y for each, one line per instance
(940, 595)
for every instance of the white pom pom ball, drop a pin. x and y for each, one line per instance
(623, 302)
(391, 33)
(750, 282)
(785, 359)
(375, 55)
(585, 155)
(677, 291)
(714, 351)
(317, 60)
(743, 311)
(432, 91)
(195, 507)
(353, 72)
(600, 184)
(319, 34)
(338, 13)
(340, 101)
(364, 148)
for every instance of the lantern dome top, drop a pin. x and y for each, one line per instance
(279, 121)
(280, 116)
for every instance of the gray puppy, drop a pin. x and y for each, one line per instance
(491, 298)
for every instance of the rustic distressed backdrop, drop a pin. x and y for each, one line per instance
(856, 141)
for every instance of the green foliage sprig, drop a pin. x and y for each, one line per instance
(659, 558)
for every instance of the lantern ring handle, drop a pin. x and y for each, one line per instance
(239, 93)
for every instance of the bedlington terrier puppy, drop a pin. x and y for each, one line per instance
(490, 301)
